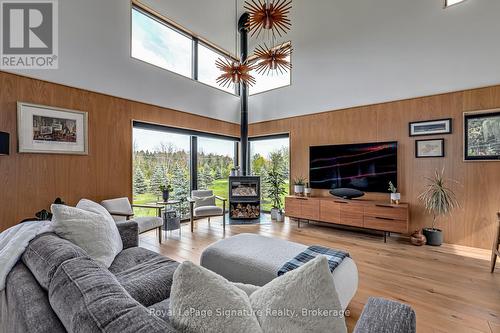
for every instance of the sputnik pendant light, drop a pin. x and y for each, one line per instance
(234, 71)
(273, 58)
(271, 15)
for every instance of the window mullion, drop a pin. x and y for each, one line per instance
(195, 59)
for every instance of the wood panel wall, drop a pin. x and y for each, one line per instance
(30, 182)
(479, 189)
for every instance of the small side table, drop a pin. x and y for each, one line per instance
(171, 215)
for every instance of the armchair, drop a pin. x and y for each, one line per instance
(121, 211)
(201, 205)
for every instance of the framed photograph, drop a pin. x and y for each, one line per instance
(50, 130)
(482, 135)
(431, 127)
(429, 148)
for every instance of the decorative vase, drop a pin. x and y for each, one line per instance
(307, 191)
(280, 216)
(165, 195)
(434, 236)
(395, 197)
(274, 213)
(417, 238)
(298, 189)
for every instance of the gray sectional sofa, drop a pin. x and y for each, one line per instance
(56, 287)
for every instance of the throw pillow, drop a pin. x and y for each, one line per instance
(302, 300)
(308, 296)
(93, 232)
(203, 301)
(204, 201)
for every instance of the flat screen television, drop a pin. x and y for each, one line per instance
(366, 167)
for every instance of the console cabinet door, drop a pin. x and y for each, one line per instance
(310, 209)
(351, 214)
(329, 211)
(292, 207)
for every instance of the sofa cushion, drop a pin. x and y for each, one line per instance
(45, 253)
(150, 281)
(161, 309)
(28, 309)
(204, 201)
(131, 257)
(147, 223)
(207, 211)
(96, 233)
(87, 298)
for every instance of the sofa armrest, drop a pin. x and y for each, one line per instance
(384, 316)
(129, 232)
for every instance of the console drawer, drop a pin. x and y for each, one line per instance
(351, 214)
(329, 211)
(309, 209)
(292, 207)
(386, 224)
(387, 211)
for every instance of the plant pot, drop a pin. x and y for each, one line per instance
(395, 197)
(298, 189)
(434, 236)
(307, 191)
(280, 217)
(165, 195)
(274, 213)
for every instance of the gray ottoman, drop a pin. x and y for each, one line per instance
(255, 259)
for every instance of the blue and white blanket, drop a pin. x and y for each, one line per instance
(334, 257)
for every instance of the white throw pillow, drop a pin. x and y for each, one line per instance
(95, 233)
(308, 294)
(200, 298)
(302, 300)
(204, 201)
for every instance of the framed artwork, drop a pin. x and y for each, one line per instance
(50, 130)
(482, 135)
(430, 127)
(429, 148)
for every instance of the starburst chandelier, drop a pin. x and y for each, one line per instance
(271, 15)
(234, 72)
(273, 59)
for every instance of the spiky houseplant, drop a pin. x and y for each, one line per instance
(274, 180)
(438, 200)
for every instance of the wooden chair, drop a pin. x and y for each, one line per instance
(206, 209)
(495, 252)
(121, 210)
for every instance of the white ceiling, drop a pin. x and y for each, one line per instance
(346, 53)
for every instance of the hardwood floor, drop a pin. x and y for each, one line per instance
(449, 287)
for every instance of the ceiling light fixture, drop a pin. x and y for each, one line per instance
(234, 72)
(448, 3)
(273, 59)
(271, 15)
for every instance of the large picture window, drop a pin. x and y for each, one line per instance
(164, 155)
(263, 152)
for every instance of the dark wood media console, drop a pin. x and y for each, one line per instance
(361, 213)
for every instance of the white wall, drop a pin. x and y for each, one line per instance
(358, 52)
(346, 53)
(94, 54)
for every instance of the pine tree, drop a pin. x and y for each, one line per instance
(140, 186)
(180, 185)
(158, 178)
(205, 179)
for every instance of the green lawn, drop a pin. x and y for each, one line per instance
(220, 188)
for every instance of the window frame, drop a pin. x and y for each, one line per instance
(196, 40)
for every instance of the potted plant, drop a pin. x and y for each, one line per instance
(274, 180)
(395, 196)
(438, 200)
(298, 185)
(165, 191)
(307, 190)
